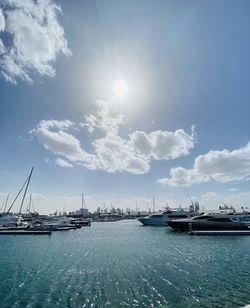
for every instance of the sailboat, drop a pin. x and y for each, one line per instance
(9, 220)
(81, 220)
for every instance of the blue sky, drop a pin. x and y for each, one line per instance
(180, 126)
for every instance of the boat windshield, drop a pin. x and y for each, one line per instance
(244, 218)
(156, 216)
(177, 216)
(222, 219)
(167, 212)
(202, 217)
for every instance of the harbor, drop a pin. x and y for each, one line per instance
(124, 264)
(125, 154)
(167, 258)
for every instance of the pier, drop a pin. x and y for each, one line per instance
(24, 232)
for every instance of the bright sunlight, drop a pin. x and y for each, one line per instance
(120, 89)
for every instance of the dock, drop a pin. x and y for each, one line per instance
(12, 228)
(64, 228)
(24, 232)
(221, 232)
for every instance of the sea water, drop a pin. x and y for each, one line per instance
(124, 264)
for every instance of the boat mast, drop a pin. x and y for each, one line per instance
(5, 204)
(7, 199)
(192, 203)
(82, 204)
(2, 206)
(17, 196)
(26, 188)
(29, 205)
(33, 205)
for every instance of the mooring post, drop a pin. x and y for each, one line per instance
(190, 228)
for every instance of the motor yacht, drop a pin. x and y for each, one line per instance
(163, 218)
(209, 222)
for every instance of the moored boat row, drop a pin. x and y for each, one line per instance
(162, 218)
(225, 219)
(209, 222)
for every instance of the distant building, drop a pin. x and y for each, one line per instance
(81, 212)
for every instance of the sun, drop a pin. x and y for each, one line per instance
(120, 89)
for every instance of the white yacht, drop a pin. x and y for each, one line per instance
(8, 220)
(57, 224)
(162, 218)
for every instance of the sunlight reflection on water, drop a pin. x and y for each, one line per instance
(123, 264)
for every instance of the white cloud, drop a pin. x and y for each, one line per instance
(54, 124)
(162, 144)
(183, 177)
(37, 38)
(112, 152)
(54, 138)
(105, 118)
(225, 166)
(2, 20)
(221, 166)
(63, 163)
(2, 48)
(134, 154)
(213, 200)
(137, 165)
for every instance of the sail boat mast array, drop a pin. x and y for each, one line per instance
(26, 188)
(27, 181)
(5, 204)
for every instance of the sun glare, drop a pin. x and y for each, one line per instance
(120, 89)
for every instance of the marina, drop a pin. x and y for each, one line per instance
(125, 154)
(111, 259)
(122, 263)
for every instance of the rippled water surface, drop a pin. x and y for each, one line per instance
(123, 264)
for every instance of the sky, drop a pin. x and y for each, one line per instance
(125, 101)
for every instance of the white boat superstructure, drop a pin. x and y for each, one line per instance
(162, 218)
(9, 220)
(58, 223)
(62, 221)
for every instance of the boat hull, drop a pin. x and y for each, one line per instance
(206, 225)
(153, 222)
